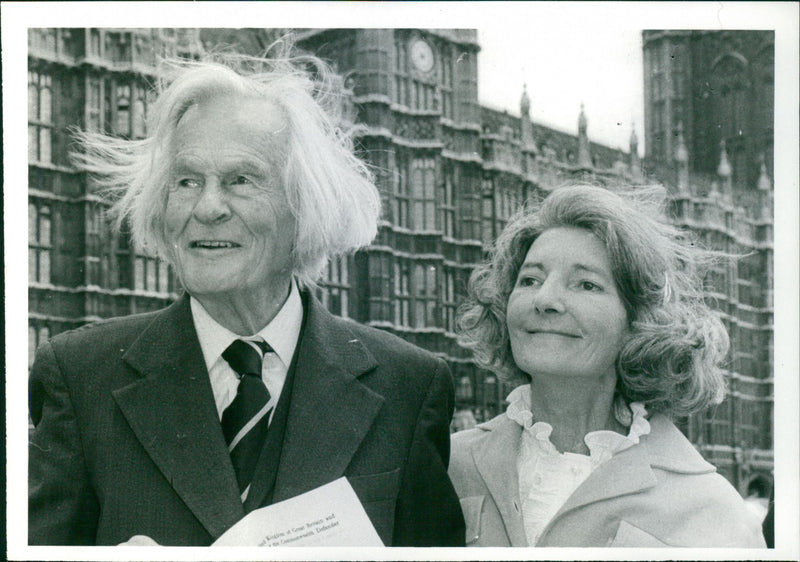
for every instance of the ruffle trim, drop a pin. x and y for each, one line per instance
(602, 444)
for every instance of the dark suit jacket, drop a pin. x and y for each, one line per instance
(127, 439)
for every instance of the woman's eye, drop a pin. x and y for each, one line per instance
(529, 282)
(589, 286)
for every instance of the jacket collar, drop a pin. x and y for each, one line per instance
(171, 410)
(668, 449)
(330, 407)
(496, 460)
(631, 470)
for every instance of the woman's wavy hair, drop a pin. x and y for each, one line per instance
(330, 190)
(672, 359)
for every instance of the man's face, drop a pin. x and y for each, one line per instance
(227, 221)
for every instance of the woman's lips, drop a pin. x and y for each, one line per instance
(555, 333)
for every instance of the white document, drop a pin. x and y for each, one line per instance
(330, 515)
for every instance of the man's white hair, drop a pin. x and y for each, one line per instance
(330, 191)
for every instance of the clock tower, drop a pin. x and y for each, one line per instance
(417, 122)
(421, 55)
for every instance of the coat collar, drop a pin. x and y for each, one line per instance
(171, 410)
(496, 460)
(330, 407)
(631, 471)
(668, 449)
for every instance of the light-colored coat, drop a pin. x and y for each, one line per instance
(659, 493)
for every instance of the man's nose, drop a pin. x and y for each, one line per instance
(212, 207)
(549, 299)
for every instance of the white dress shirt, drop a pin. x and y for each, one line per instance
(281, 334)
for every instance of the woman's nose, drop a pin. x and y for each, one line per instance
(548, 299)
(212, 207)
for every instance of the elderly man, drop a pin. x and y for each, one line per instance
(171, 426)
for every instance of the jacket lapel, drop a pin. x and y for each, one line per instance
(631, 470)
(171, 410)
(627, 472)
(496, 460)
(331, 410)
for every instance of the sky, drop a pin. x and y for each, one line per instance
(567, 53)
(562, 68)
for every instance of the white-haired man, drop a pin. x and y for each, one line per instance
(170, 426)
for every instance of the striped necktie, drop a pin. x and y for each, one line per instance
(245, 421)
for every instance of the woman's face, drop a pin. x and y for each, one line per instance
(565, 317)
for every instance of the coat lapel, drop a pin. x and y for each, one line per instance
(631, 470)
(627, 472)
(496, 460)
(171, 410)
(331, 410)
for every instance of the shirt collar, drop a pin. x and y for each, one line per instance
(633, 416)
(282, 333)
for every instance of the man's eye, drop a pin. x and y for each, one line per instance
(241, 180)
(188, 183)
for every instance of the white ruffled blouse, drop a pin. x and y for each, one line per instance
(548, 478)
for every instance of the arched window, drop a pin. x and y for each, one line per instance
(335, 287)
(40, 116)
(138, 113)
(464, 390)
(763, 81)
(423, 194)
(123, 110)
(40, 242)
(730, 84)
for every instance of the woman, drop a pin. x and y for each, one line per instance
(594, 307)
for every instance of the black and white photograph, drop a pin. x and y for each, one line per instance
(339, 280)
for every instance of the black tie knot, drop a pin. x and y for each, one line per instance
(245, 356)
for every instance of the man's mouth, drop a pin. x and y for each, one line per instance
(212, 244)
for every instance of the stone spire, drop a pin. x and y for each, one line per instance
(582, 122)
(764, 182)
(584, 156)
(764, 191)
(724, 170)
(525, 102)
(636, 165)
(526, 127)
(682, 160)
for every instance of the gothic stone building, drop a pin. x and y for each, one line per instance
(709, 109)
(450, 172)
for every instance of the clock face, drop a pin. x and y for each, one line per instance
(422, 55)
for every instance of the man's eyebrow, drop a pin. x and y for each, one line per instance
(180, 166)
(246, 165)
(184, 164)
